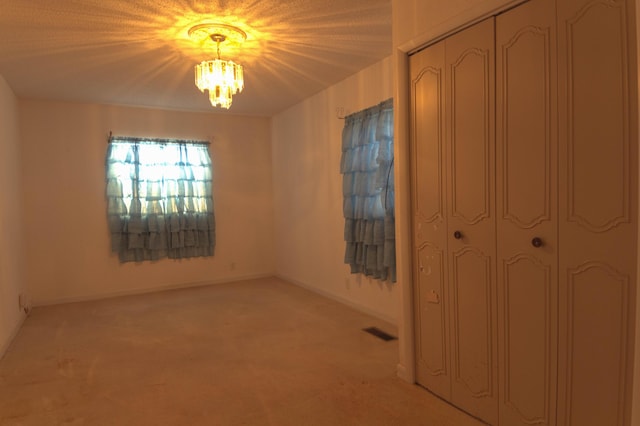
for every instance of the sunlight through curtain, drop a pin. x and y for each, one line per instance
(368, 191)
(159, 199)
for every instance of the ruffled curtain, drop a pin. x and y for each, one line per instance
(159, 199)
(368, 190)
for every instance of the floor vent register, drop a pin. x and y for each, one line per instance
(379, 333)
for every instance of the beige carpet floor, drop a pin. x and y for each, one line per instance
(259, 352)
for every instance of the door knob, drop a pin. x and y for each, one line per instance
(457, 235)
(536, 242)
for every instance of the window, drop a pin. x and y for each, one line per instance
(368, 192)
(159, 199)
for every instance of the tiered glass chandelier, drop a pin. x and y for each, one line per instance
(222, 79)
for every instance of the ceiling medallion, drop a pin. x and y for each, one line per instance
(222, 79)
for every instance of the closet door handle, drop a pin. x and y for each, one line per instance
(536, 242)
(457, 235)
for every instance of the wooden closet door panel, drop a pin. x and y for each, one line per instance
(429, 219)
(598, 211)
(471, 221)
(526, 145)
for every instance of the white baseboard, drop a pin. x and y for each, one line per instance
(136, 291)
(350, 303)
(16, 329)
(404, 374)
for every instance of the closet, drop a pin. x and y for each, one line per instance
(524, 201)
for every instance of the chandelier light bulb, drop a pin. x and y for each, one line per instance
(221, 79)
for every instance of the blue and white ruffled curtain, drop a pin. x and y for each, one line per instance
(368, 191)
(159, 199)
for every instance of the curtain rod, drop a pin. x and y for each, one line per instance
(340, 115)
(154, 140)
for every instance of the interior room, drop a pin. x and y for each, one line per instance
(269, 329)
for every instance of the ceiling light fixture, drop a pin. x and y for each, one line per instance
(222, 79)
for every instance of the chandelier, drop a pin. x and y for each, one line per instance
(222, 79)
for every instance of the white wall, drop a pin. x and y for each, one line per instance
(11, 248)
(67, 242)
(307, 182)
(417, 21)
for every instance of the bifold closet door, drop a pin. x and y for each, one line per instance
(453, 183)
(470, 154)
(598, 210)
(527, 145)
(429, 220)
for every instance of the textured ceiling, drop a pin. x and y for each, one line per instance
(137, 52)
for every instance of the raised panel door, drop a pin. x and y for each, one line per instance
(527, 224)
(598, 210)
(470, 142)
(429, 220)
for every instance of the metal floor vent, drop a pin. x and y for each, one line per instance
(379, 333)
